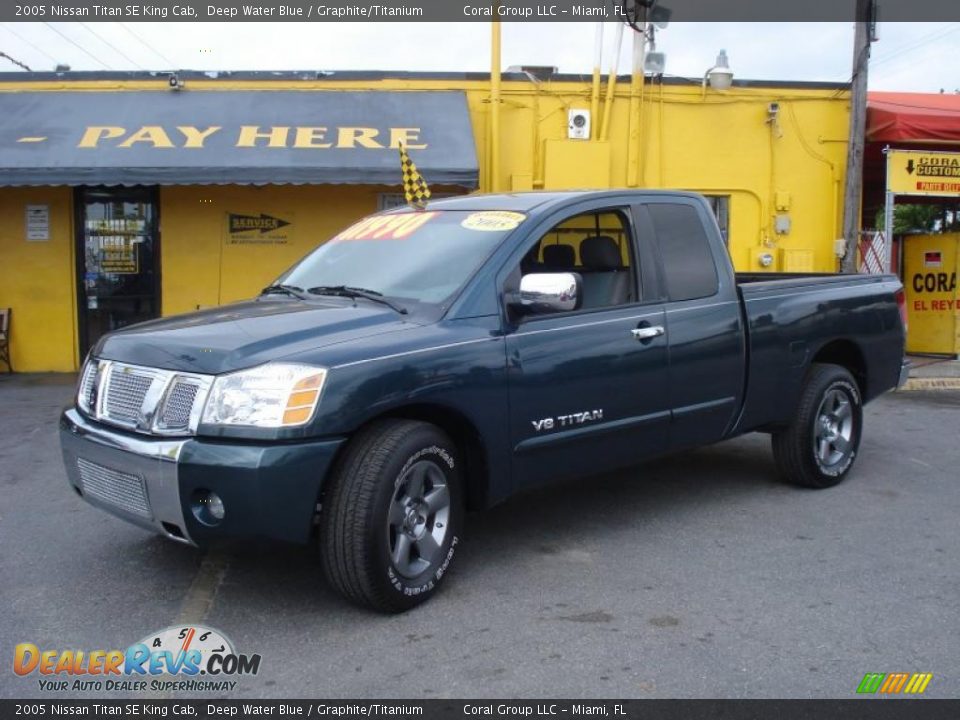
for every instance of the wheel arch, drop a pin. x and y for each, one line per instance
(848, 355)
(462, 431)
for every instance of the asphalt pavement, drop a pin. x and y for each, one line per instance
(696, 576)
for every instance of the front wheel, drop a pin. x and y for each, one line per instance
(819, 447)
(392, 515)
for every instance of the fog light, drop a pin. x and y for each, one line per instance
(207, 507)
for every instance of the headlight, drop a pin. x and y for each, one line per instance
(270, 396)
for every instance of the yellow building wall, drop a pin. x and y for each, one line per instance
(37, 281)
(717, 143)
(204, 265)
(714, 143)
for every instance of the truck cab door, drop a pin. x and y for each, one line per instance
(587, 388)
(704, 320)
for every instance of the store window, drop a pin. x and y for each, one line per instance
(720, 204)
(117, 260)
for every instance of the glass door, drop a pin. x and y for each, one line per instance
(117, 259)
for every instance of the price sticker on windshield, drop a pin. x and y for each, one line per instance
(386, 227)
(493, 220)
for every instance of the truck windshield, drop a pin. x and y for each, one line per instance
(421, 257)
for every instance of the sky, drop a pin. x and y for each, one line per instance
(917, 57)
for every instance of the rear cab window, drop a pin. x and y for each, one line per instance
(689, 268)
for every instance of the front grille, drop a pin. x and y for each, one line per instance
(126, 390)
(147, 400)
(88, 388)
(119, 489)
(176, 411)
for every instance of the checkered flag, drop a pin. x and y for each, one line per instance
(415, 188)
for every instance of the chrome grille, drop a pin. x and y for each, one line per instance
(125, 392)
(119, 489)
(147, 400)
(178, 407)
(88, 388)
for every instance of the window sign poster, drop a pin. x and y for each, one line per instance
(37, 223)
(118, 255)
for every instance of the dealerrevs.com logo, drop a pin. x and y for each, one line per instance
(179, 658)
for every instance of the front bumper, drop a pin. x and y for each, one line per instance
(269, 490)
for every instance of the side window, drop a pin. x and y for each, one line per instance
(596, 245)
(689, 268)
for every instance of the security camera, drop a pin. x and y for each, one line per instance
(175, 82)
(773, 109)
(578, 124)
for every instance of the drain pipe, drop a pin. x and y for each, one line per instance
(493, 180)
(611, 82)
(595, 92)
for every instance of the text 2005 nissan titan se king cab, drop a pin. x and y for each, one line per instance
(426, 362)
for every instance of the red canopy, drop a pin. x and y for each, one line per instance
(913, 117)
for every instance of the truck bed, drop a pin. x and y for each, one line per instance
(795, 318)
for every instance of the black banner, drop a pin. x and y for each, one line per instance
(467, 10)
(853, 709)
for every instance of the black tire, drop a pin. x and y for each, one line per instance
(805, 452)
(366, 493)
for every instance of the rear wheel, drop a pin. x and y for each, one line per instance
(392, 515)
(819, 448)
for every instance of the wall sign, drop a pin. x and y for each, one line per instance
(37, 223)
(258, 229)
(916, 172)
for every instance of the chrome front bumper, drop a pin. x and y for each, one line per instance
(132, 478)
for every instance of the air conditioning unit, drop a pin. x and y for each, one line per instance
(578, 124)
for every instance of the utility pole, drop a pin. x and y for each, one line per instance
(858, 126)
(636, 93)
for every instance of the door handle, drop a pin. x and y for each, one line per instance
(647, 333)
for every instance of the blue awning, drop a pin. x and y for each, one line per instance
(265, 137)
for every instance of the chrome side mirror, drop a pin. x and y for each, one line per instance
(549, 292)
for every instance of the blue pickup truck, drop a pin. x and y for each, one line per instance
(424, 363)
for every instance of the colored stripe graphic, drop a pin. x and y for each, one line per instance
(871, 682)
(918, 683)
(894, 683)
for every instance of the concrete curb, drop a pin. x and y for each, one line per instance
(923, 383)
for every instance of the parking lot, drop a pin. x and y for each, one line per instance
(695, 576)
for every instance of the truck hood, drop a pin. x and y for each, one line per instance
(245, 334)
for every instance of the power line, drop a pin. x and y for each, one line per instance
(24, 40)
(919, 42)
(15, 61)
(112, 46)
(909, 46)
(79, 47)
(147, 45)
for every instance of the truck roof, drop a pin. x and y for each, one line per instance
(541, 200)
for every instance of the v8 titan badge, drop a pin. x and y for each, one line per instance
(493, 220)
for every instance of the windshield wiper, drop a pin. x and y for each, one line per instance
(355, 292)
(286, 290)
